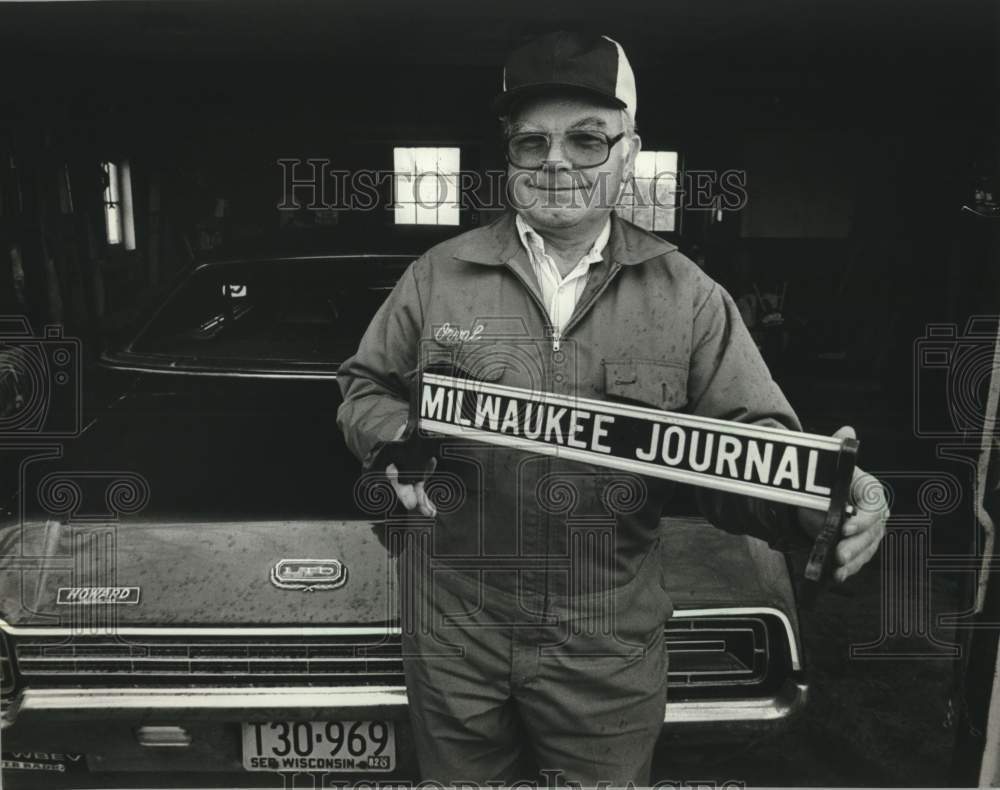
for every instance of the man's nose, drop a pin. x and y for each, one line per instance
(555, 159)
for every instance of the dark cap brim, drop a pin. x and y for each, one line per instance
(502, 102)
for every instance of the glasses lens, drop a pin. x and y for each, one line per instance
(528, 150)
(586, 149)
(582, 149)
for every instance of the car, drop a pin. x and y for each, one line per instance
(196, 589)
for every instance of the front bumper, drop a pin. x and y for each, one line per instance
(45, 708)
(107, 727)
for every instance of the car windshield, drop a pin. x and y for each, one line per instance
(293, 312)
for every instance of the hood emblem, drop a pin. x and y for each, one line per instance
(308, 575)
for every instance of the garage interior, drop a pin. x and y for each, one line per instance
(868, 136)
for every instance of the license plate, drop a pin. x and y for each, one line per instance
(344, 746)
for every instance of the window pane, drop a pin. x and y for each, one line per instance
(402, 159)
(645, 164)
(425, 160)
(644, 192)
(404, 187)
(426, 215)
(650, 201)
(643, 217)
(112, 204)
(448, 214)
(664, 190)
(664, 219)
(448, 187)
(406, 213)
(666, 161)
(429, 189)
(402, 164)
(448, 161)
(428, 193)
(127, 211)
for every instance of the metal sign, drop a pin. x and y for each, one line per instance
(783, 466)
(792, 467)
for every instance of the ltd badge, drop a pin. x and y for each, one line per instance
(309, 575)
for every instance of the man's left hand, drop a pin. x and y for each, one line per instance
(861, 533)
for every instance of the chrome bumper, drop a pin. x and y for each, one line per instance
(41, 706)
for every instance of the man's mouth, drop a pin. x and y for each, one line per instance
(545, 188)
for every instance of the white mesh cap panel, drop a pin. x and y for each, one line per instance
(625, 80)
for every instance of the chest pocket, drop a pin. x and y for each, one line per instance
(473, 462)
(483, 362)
(646, 382)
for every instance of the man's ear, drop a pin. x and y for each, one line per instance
(634, 146)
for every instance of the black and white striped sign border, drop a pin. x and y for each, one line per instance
(685, 421)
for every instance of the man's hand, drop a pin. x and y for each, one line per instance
(412, 495)
(862, 532)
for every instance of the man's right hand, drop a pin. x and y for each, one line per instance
(412, 495)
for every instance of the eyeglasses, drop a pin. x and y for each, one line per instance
(530, 150)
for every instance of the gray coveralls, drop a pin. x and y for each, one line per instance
(533, 608)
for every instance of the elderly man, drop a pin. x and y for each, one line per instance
(505, 667)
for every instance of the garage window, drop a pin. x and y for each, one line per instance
(119, 216)
(650, 200)
(426, 186)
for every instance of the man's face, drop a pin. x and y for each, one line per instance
(560, 194)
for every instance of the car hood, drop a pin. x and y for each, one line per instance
(201, 574)
(220, 573)
(192, 491)
(199, 449)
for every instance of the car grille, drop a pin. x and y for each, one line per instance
(708, 656)
(331, 661)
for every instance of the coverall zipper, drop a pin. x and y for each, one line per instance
(558, 335)
(556, 345)
(549, 326)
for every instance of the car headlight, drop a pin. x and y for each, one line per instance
(7, 679)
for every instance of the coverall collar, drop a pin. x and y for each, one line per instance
(498, 243)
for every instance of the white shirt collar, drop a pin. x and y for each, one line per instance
(533, 241)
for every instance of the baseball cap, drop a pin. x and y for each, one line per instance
(593, 65)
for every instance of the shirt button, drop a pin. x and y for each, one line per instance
(559, 378)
